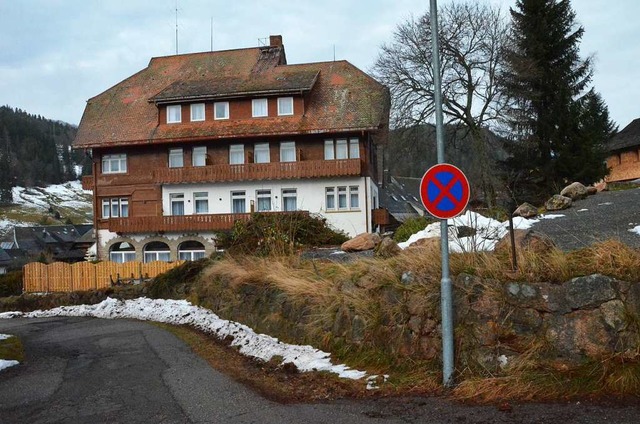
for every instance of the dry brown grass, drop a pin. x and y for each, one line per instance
(363, 287)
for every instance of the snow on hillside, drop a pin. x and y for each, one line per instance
(31, 204)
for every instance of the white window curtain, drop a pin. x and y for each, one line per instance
(261, 153)
(288, 151)
(236, 154)
(259, 108)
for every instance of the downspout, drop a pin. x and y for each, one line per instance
(95, 206)
(366, 203)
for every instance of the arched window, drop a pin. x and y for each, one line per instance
(122, 252)
(191, 250)
(157, 251)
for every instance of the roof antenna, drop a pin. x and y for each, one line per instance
(176, 26)
(334, 52)
(263, 41)
(212, 33)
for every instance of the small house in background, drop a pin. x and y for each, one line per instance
(195, 142)
(624, 154)
(64, 243)
(5, 261)
(399, 201)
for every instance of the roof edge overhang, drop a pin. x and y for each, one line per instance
(223, 96)
(168, 140)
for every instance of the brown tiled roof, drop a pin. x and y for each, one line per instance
(628, 137)
(341, 98)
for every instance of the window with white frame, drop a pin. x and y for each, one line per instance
(176, 201)
(201, 202)
(191, 251)
(259, 108)
(221, 110)
(156, 251)
(236, 154)
(348, 198)
(174, 114)
(115, 208)
(261, 153)
(288, 151)
(330, 197)
(264, 200)
(238, 202)
(199, 156)
(341, 148)
(289, 199)
(114, 164)
(122, 252)
(354, 197)
(342, 198)
(176, 158)
(285, 106)
(354, 148)
(329, 151)
(197, 112)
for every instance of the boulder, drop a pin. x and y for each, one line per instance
(557, 203)
(387, 248)
(590, 292)
(526, 210)
(591, 190)
(465, 231)
(361, 242)
(574, 191)
(525, 240)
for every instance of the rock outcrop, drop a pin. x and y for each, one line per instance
(361, 242)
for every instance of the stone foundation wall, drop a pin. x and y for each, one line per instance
(495, 322)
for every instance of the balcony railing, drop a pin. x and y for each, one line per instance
(87, 182)
(146, 224)
(260, 171)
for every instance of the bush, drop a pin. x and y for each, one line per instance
(279, 234)
(11, 284)
(177, 282)
(410, 227)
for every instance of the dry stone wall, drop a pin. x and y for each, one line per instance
(585, 318)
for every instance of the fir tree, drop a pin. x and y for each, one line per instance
(551, 117)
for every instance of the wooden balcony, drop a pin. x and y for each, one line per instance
(260, 171)
(159, 224)
(87, 182)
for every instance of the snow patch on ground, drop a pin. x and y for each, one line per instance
(488, 231)
(635, 230)
(181, 312)
(5, 363)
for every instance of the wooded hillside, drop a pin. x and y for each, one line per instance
(35, 151)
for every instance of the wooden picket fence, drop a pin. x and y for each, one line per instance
(81, 276)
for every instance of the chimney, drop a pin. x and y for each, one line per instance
(275, 40)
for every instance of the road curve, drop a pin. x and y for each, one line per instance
(84, 370)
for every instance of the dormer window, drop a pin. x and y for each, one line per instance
(174, 114)
(221, 110)
(197, 112)
(259, 108)
(285, 106)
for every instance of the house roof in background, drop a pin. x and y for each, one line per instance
(342, 98)
(628, 137)
(401, 197)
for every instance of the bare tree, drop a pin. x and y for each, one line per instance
(472, 37)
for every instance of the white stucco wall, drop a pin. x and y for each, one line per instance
(310, 197)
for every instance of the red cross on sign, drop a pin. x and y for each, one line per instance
(444, 191)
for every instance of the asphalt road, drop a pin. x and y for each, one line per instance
(606, 215)
(84, 370)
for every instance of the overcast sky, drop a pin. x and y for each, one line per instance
(56, 54)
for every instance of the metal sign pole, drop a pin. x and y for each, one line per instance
(446, 292)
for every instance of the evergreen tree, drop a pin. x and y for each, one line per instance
(6, 177)
(552, 120)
